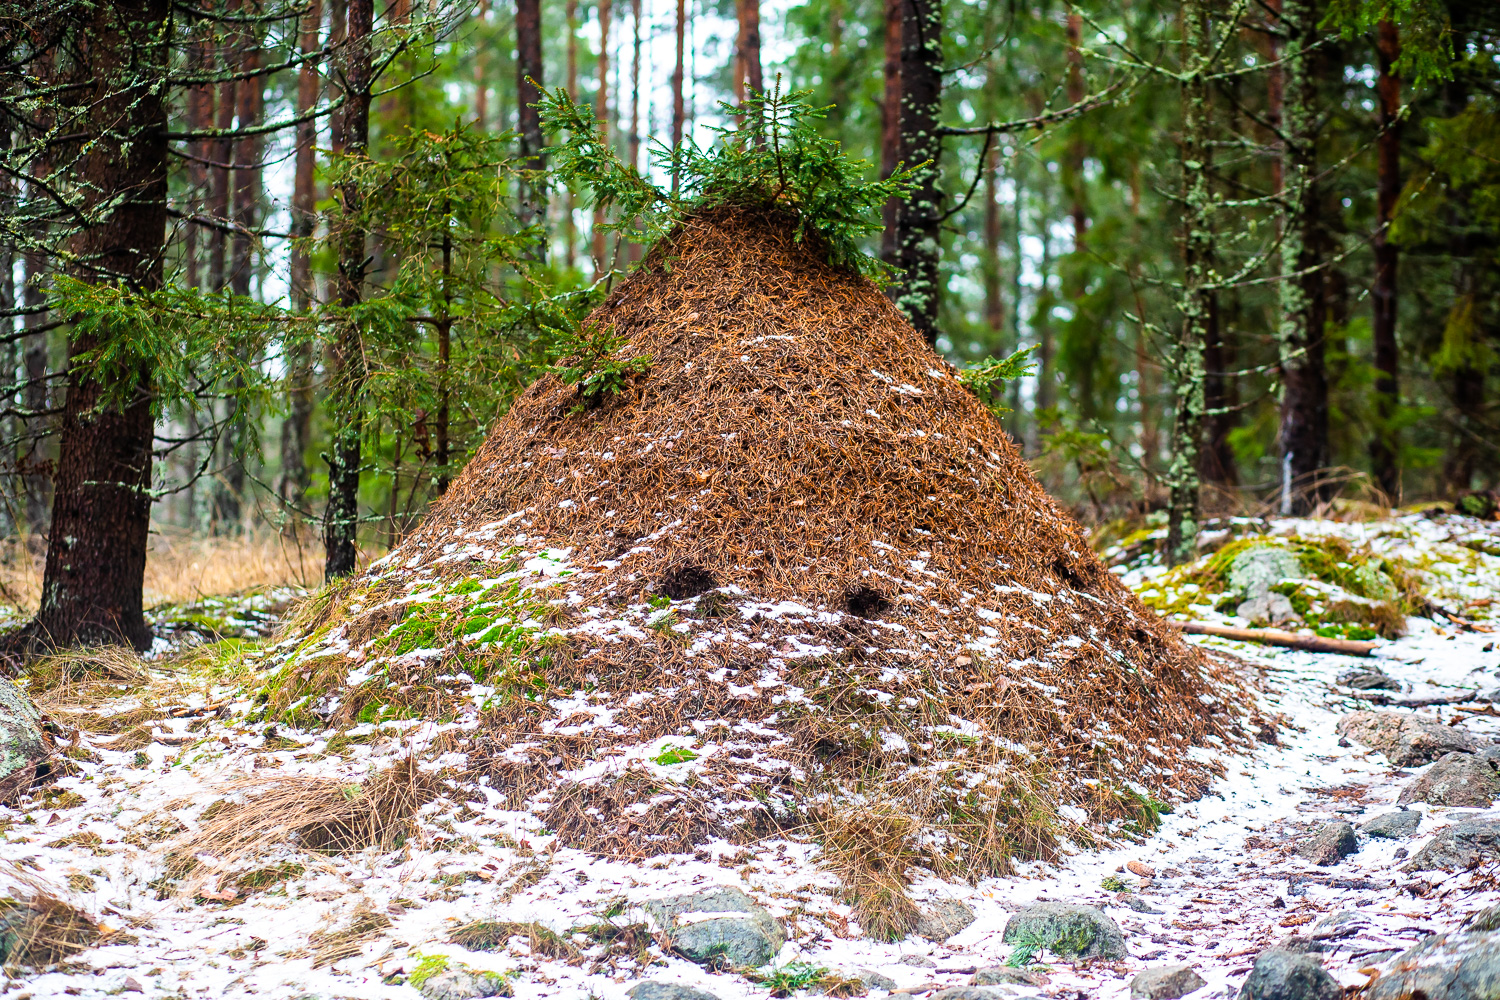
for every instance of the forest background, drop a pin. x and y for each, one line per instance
(269, 268)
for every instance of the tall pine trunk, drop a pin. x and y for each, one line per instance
(1185, 359)
(346, 358)
(747, 70)
(890, 128)
(296, 430)
(679, 105)
(601, 112)
(533, 208)
(570, 204)
(101, 512)
(994, 307)
(1385, 447)
(1299, 334)
(250, 100)
(221, 151)
(919, 220)
(481, 67)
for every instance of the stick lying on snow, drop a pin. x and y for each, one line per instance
(1279, 637)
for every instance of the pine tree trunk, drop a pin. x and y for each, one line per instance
(297, 428)
(890, 128)
(919, 221)
(481, 68)
(747, 78)
(601, 113)
(1385, 446)
(1217, 465)
(222, 153)
(34, 360)
(1185, 361)
(96, 553)
(994, 307)
(1077, 149)
(250, 95)
(533, 208)
(1299, 334)
(570, 204)
(346, 358)
(679, 106)
(633, 154)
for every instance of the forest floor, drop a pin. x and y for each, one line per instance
(160, 742)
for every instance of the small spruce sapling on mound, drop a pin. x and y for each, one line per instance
(775, 156)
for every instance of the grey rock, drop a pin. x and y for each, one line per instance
(1371, 680)
(1462, 965)
(1458, 847)
(1300, 945)
(1396, 825)
(1268, 607)
(1256, 570)
(462, 984)
(1406, 740)
(654, 990)
(738, 933)
(918, 961)
(944, 920)
(1487, 919)
(1165, 982)
(25, 747)
(1131, 901)
(968, 993)
(1066, 930)
(1457, 779)
(1287, 975)
(1329, 845)
(1003, 975)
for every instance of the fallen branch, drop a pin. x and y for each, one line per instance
(1280, 637)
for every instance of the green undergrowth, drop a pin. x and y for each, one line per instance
(413, 651)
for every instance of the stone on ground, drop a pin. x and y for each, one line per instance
(462, 984)
(1256, 570)
(1370, 680)
(1003, 975)
(869, 977)
(944, 920)
(719, 925)
(653, 990)
(968, 993)
(24, 746)
(1329, 845)
(1458, 847)
(1461, 965)
(1067, 930)
(1165, 982)
(1288, 975)
(1406, 740)
(1270, 607)
(1457, 779)
(1396, 825)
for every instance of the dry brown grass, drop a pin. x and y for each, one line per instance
(871, 850)
(180, 567)
(314, 814)
(37, 928)
(365, 924)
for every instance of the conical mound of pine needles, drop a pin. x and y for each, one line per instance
(789, 574)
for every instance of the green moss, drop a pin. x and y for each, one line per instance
(429, 966)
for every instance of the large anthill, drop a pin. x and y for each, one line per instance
(791, 573)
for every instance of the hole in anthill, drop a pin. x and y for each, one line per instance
(865, 602)
(686, 581)
(1067, 574)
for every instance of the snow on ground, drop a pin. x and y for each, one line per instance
(1226, 881)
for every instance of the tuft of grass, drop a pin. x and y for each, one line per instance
(787, 980)
(43, 930)
(871, 850)
(488, 935)
(365, 924)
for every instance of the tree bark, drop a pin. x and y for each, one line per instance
(890, 128)
(221, 151)
(679, 106)
(747, 71)
(96, 553)
(920, 217)
(1217, 465)
(481, 67)
(1185, 359)
(994, 307)
(346, 360)
(1385, 447)
(1077, 149)
(570, 204)
(1299, 335)
(250, 100)
(297, 428)
(533, 207)
(601, 112)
